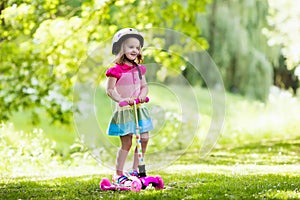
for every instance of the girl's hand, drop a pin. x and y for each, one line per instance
(142, 99)
(128, 100)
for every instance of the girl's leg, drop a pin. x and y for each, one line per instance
(126, 142)
(144, 141)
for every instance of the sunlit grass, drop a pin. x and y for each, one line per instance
(198, 182)
(279, 194)
(254, 132)
(253, 121)
(256, 157)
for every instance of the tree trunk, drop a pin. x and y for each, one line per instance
(212, 27)
(2, 7)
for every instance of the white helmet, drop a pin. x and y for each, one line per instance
(122, 35)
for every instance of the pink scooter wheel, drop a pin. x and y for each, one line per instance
(136, 185)
(160, 184)
(104, 184)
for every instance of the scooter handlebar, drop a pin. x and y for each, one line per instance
(137, 101)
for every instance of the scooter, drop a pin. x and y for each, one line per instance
(142, 181)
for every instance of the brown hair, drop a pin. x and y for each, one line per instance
(120, 57)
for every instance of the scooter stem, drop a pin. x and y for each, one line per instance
(141, 166)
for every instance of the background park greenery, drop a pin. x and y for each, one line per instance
(46, 44)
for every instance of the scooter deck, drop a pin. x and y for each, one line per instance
(135, 186)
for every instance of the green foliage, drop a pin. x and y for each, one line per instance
(253, 132)
(43, 43)
(233, 30)
(166, 139)
(256, 157)
(255, 121)
(19, 149)
(27, 79)
(284, 30)
(26, 153)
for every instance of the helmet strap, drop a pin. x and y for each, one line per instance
(136, 65)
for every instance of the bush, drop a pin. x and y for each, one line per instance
(252, 121)
(24, 152)
(31, 153)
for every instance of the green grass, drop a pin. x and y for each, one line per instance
(62, 135)
(266, 152)
(245, 120)
(180, 185)
(266, 170)
(256, 156)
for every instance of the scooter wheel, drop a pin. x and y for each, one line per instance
(104, 183)
(160, 183)
(136, 185)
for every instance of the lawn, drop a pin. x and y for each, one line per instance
(181, 182)
(256, 157)
(225, 174)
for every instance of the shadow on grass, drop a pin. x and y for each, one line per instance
(58, 188)
(177, 186)
(265, 152)
(187, 184)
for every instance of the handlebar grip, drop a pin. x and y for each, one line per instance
(137, 101)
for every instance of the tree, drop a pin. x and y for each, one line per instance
(43, 43)
(233, 30)
(28, 78)
(284, 31)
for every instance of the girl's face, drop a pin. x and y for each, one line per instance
(132, 48)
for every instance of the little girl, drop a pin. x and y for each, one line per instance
(126, 82)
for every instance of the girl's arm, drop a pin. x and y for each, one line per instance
(113, 94)
(110, 89)
(144, 90)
